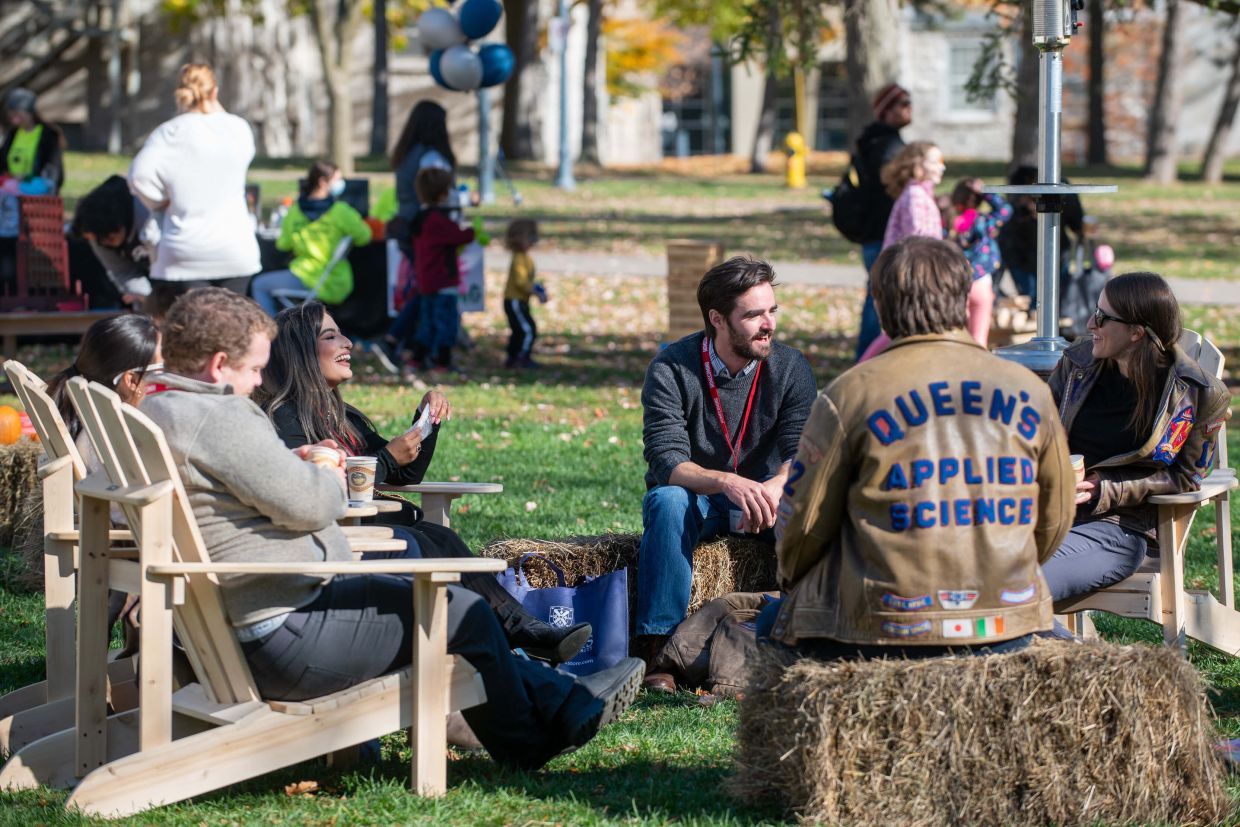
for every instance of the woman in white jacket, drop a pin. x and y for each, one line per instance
(192, 171)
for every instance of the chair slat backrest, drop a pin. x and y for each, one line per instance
(137, 454)
(44, 415)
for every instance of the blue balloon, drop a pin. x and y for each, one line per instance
(478, 17)
(434, 67)
(497, 62)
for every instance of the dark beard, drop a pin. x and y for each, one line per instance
(743, 346)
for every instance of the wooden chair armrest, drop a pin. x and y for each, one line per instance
(97, 486)
(423, 568)
(361, 544)
(367, 532)
(50, 466)
(1213, 485)
(445, 488)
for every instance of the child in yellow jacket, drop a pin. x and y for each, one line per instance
(521, 236)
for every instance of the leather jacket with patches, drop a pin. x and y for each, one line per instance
(1176, 455)
(929, 484)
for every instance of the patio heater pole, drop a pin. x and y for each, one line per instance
(1054, 22)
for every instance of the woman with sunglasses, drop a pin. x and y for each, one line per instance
(120, 352)
(1143, 414)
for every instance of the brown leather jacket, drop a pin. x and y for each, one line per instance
(928, 485)
(1176, 455)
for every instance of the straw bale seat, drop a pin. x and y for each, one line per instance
(1058, 733)
(19, 466)
(730, 564)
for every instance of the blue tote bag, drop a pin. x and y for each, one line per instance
(601, 601)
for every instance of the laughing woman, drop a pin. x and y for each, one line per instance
(1143, 414)
(310, 360)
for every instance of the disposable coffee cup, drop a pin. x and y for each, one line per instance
(327, 457)
(360, 472)
(734, 520)
(1078, 466)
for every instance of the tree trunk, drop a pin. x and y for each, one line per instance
(379, 83)
(589, 85)
(517, 138)
(335, 22)
(1216, 149)
(1025, 125)
(765, 137)
(872, 55)
(1161, 151)
(1096, 151)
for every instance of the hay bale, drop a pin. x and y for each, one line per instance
(19, 465)
(26, 575)
(1058, 733)
(729, 564)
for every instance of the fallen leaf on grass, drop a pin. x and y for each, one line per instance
(531, 505)
(305, 788)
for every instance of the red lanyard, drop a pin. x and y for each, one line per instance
(714, 395)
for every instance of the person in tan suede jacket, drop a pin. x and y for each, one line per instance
(928, 485)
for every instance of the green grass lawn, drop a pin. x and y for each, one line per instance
(1190, 230)
(566, 444)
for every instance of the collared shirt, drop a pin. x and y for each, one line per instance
(720, 369)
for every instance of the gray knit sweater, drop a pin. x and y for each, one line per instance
(254, 500)
(680, 423)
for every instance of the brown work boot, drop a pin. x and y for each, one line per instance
(648, 647)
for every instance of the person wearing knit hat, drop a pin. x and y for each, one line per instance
(32, 147)
(878, 144)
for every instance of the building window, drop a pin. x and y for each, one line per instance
(961, 57)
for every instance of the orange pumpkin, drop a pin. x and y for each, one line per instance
(10, 425)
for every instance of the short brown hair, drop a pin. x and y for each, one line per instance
(521, 234)
(921, 285)
(432, 184)
(207, 321)
(724, 283)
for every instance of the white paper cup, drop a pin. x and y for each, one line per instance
(1078, 466)
(360, 473)
(735, 516)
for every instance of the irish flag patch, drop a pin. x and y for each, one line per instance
(988, 626)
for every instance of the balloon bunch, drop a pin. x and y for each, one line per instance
(454, 62)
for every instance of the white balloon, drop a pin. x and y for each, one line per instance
(438, 29)
(461, 68)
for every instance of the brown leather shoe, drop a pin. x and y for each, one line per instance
(662, 682)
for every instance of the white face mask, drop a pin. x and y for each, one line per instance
(337, 188)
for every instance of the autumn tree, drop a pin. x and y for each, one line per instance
(1216, 148)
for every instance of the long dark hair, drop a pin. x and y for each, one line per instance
(428, 126)
(111, 346)
(319, 171)
(293, 378)
(1146, 300)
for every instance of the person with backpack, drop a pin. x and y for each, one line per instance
(861, 204)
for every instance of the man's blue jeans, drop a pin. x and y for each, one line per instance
(675, 520)
(870, 326)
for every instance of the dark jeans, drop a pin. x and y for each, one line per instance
(524, 331)
(870, 327)
(829, 649)
(438, 322)
(1094, 555)
(360, 627)
(404, 327)
(164, 293)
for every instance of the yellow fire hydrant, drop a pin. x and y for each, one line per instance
(795, 172)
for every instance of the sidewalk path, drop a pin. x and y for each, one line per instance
(1188, 291)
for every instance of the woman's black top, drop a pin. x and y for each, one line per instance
(388, 471)
(1103, 428)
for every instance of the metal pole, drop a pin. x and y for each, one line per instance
(1050, 94)
(486, 160)
(114, 80)
(564, 177)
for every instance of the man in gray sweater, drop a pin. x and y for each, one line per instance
(308, 636)
(723, 410)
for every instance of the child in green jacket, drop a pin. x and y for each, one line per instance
(311, 231)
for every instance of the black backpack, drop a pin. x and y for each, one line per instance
(848, 204)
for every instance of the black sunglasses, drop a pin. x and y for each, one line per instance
(1101, 318)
